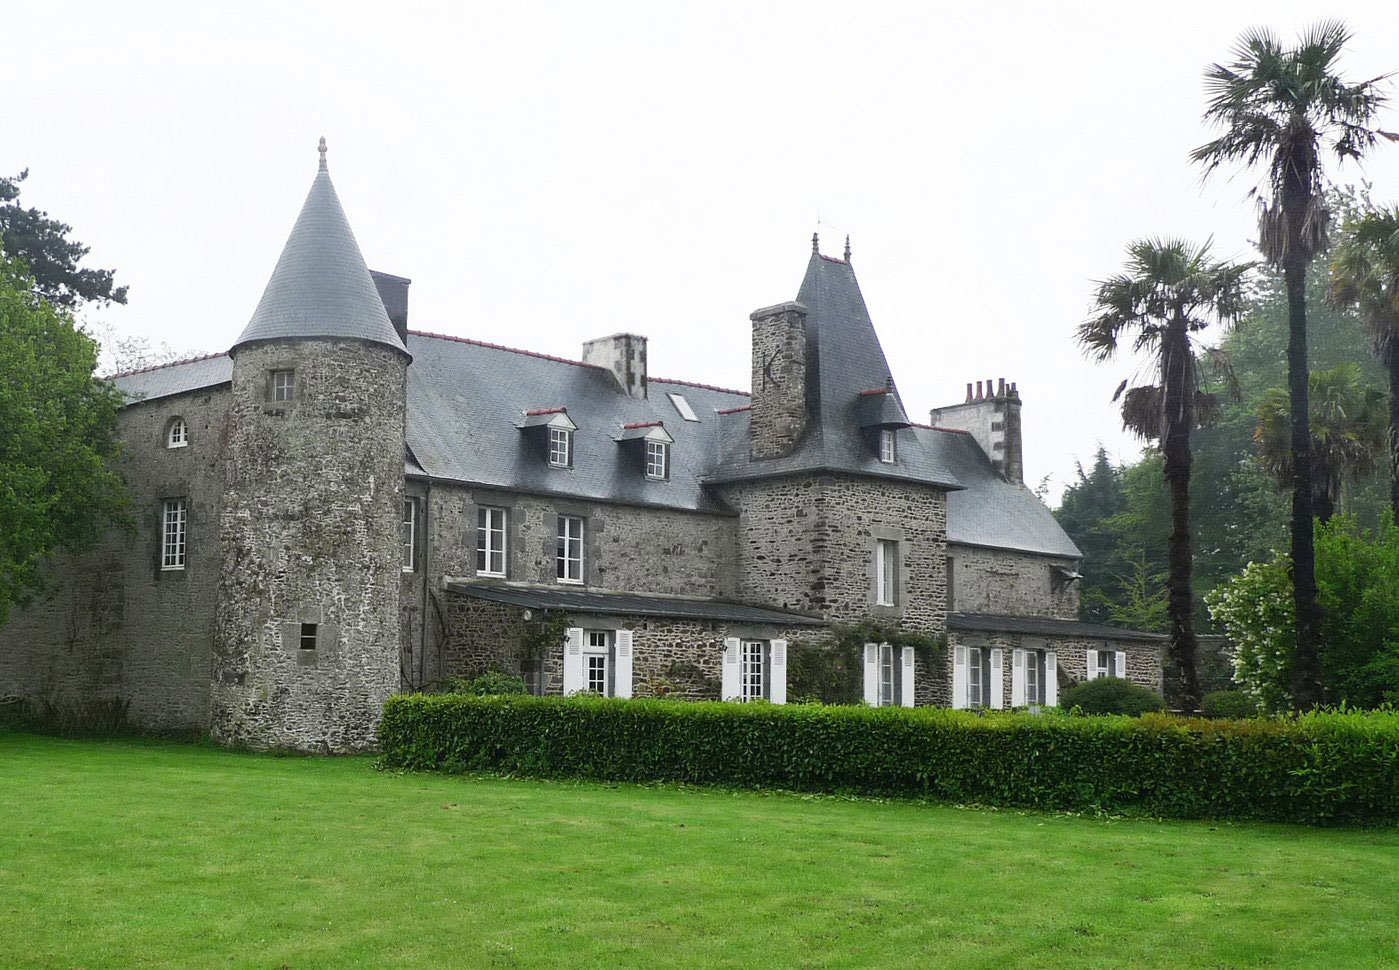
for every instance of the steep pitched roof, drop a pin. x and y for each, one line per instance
(321, 286)
(844, 363)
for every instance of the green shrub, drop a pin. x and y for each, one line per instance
(1111, 695)
(1317, 768)
(491, 683)
(1233, 704)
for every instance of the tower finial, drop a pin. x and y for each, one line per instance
(321, 149)
(815, 242)
(847, 247)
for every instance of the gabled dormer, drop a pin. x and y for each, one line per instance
(548, 432)
(645, 447)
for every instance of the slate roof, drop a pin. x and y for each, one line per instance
(991, 511)
(844, 360)
(465, 399)
(585, 601)
(1044, 626)
(321, 286)
(177, 378)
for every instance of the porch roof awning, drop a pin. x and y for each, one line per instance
(586, 601)
(1044, 626)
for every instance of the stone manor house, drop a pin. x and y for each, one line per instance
(339, 508)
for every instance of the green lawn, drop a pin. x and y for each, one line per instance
(135, 854)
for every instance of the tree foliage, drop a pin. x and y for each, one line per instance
(42, 244)
(58, 438)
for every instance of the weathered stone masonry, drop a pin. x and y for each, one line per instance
(310, 534)
(1010, 583)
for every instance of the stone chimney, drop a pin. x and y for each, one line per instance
(393, 290)
(779, 414)
(991, 413)
(624, 354)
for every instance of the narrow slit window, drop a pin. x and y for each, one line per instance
(174, 519)
(885, 558)
(410, 534)
(886, 676)
(308, 636)
(888, 450)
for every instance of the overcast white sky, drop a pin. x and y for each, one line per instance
(547, 173)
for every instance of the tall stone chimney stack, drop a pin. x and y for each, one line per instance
(624, 354)
(779, 415)
(991, 414)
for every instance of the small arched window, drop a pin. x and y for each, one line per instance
(177, 434)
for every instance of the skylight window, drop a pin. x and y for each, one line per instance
(683, 406)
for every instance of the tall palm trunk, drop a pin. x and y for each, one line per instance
(1392, 353)
(1306, 663)
(1177, 381)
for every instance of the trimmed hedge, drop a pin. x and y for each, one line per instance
(1318, 768)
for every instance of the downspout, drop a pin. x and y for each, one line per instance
(427, 572)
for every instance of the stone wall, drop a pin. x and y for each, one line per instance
(806, 543)
(1070, 655)
(310, 533)
(1010, 583)
(114, 624)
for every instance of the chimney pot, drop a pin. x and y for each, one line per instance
(969, 390)
(1001, 387)
(978, 390)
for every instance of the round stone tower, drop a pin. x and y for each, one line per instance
(307, 634)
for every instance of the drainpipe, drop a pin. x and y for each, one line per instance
(427, 572)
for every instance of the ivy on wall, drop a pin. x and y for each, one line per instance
(833, 673)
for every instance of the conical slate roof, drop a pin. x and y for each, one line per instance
(321, 286)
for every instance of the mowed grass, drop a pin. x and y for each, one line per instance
(140, 854)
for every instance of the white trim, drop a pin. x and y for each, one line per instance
(560, 447)
(906, 678)
(622, 666)
(730, 690)
(872, 674)
(490, 512)
(410, 522)
(1051, 679)
(657, 469)
(573, 661)
(1121, 669)
(177, 423)
(563, 532)
(174, 534)
(886, 580)
(777, 671)
(997, 689)
(1017, 677)
(888, 446)
(959, 677)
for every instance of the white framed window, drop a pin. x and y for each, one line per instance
(570, 549)
(888, 685)
(410, 534)
(1102, 664)
(1034, 677)
(888, 449)
(751, 669)
(975, 695)
(174, 517)
(178, 434)
(283, 385)
(657, 459)
(560, 447)
(597, 656)
(490, 542)
(886, 555)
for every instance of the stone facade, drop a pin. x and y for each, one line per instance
(310, 541)
(807, 543)
(1071, 657)
(114, 625)
(1010, 583)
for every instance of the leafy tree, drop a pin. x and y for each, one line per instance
(1348, 434)
(43, 245)
(1365, 278)
(1277, 106)
(1171, 290)
(58, 436)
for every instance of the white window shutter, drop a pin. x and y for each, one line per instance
(959, 676)
(573, 661)
(1051, 679)
(998, 699)
(777, 670)
(730, 690)
(906, 679)
(872, 674)
(1017, 678)
(621, 664)
(1092, 665)
(1120, 669)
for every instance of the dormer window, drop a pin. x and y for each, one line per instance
(657, 460)
(177, 435)
(888, 449)
(560, 447)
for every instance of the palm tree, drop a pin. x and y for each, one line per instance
(1347, 427)
(1169, 292)
(1365, 278)
(1282, 106)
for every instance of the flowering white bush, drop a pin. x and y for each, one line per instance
(1255, 610)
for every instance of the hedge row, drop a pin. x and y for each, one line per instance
(1320, 769)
